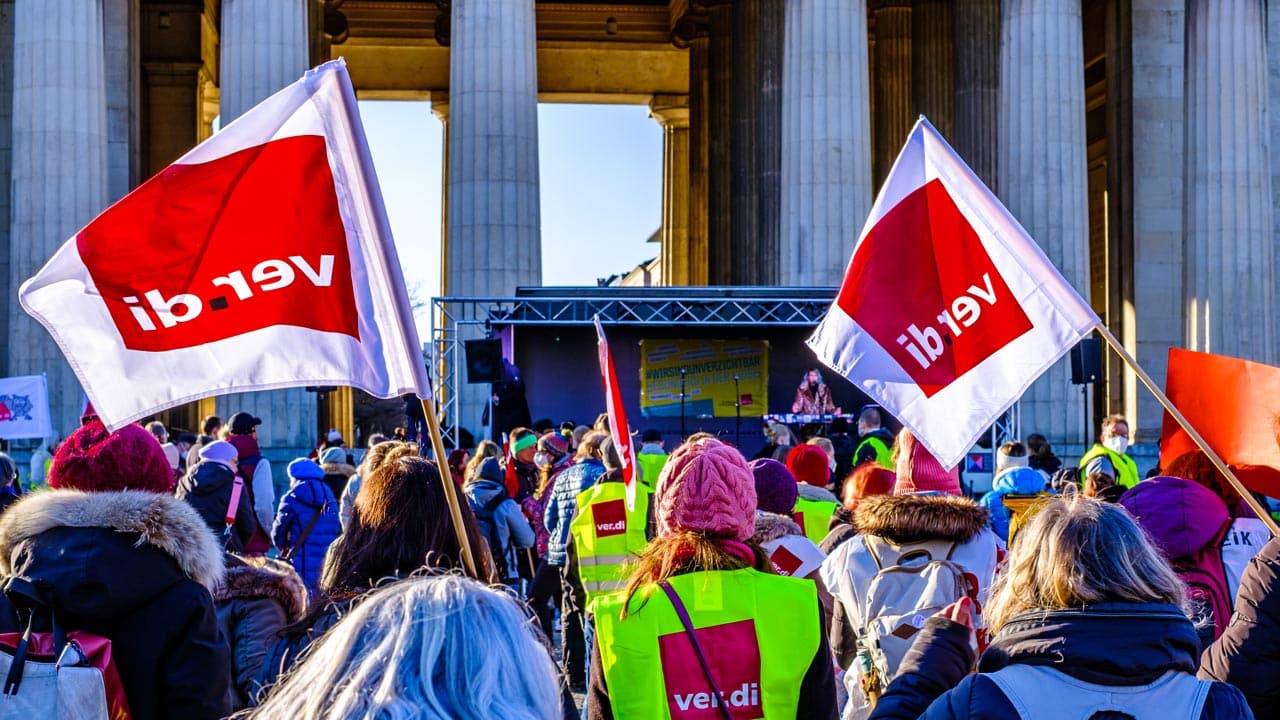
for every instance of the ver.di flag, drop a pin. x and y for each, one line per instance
(24, 408)
(618, 427)
(948, 310)
(261, 259)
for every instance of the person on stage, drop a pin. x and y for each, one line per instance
(813, 397)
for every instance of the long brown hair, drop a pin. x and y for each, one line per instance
(686, 552)
(400, 523)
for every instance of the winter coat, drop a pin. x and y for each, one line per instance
(564, 503)
(868, 452)
(509, 527)
(207, 488)
(1013, 481)
(294, 640)
(297, 508)
(844, 447)
(1248, 653)
(258, 598)
(840, 530)
(813, 492)
(336, 476)
(1117, 644)
(136, 568)
(901, 519)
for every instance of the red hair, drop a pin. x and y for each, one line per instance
(866, 480)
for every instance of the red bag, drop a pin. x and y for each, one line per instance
(51, 677)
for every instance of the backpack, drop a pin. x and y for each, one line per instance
(487, 521)
(56, 675)
(912, 582)
(1209, 601)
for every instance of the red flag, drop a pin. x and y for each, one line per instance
(1234, 404)
(617, 417)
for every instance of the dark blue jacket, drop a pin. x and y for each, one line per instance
(297, 508)
(563, 503)
(1107, 644)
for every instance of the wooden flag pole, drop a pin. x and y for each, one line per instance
(450, 490)
(1248, 497)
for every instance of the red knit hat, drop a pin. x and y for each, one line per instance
(706, 486)
(810, 464)
(919, 471)
(93, 460)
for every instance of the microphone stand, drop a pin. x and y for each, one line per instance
(683, 435)
(737, 408)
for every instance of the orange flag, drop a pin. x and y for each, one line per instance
(1234, 405)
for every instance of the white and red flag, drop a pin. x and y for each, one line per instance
(261, 259)
(949, 310)
(618, 427)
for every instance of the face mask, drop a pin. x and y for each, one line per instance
(541, 459)
(1116, 444)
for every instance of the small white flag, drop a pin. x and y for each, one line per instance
(24, 408)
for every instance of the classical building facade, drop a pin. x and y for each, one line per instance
(1132, 138)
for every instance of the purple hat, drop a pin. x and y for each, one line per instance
(776, 490)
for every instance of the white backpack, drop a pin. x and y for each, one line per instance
(912, 583)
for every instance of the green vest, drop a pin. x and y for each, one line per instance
(759, 632)
(605, 536)
(1126, 468)
(651, 465)
(814, 517)
(884, 454)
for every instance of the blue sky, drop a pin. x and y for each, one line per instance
(601, 173)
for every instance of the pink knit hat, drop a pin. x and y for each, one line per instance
(919, 471)
(707, 487)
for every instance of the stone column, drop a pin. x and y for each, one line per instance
(1229, 264)
(721, 244)
(892, 82)
(121, 37)
(672, 112)
(494, 236)
(770, 36)
(744, 170)
(440, 108)
(977, 84)
(59, 170)
(933, 63)
(826, 139)
(699, 158)
(6, 167)
(264, 48)
(1043, 169)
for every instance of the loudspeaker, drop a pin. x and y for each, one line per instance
(1086, 361)
(484, 361)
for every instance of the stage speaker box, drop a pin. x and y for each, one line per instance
(484, 361)
(1086, 361)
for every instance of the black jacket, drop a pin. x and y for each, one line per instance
(257, 600)
(207, 487)
(1248, 653)
(1108, 644)
(867, 452)
(136, 568)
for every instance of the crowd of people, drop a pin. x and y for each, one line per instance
(848, 575)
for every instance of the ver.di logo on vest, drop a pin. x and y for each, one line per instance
(733, 653)
(926, 289)
(610, 518)
(277, 253)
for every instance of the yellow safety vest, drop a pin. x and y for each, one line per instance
(605, 536)
(1126, 468)
(814, 517)
(651, 465)
(759, 632)
(884, 454)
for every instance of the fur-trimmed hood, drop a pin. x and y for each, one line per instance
(771, 526)
(162, 521)
(262, 577)
(813, 492)
(910, 518)
(341, 468)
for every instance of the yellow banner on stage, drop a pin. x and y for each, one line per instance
(709, 369)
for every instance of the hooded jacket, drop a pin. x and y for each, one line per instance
(511, 529)
(901, 519)
(1248, 653)
(337, 475)
(297, 509)
(136, 568)
(207, 487)
(258, 598)
(563, 504)
(1013, 481)
(1118, 644)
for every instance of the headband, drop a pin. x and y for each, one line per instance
(524, 443)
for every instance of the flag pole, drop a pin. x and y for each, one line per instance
(1169, 407)
(450, 490)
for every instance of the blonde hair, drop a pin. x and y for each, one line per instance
(382, 452)
(685, 552)
(485, 450)
(825, 444)
(421, 648)
(590, 446)
(1077, 552)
